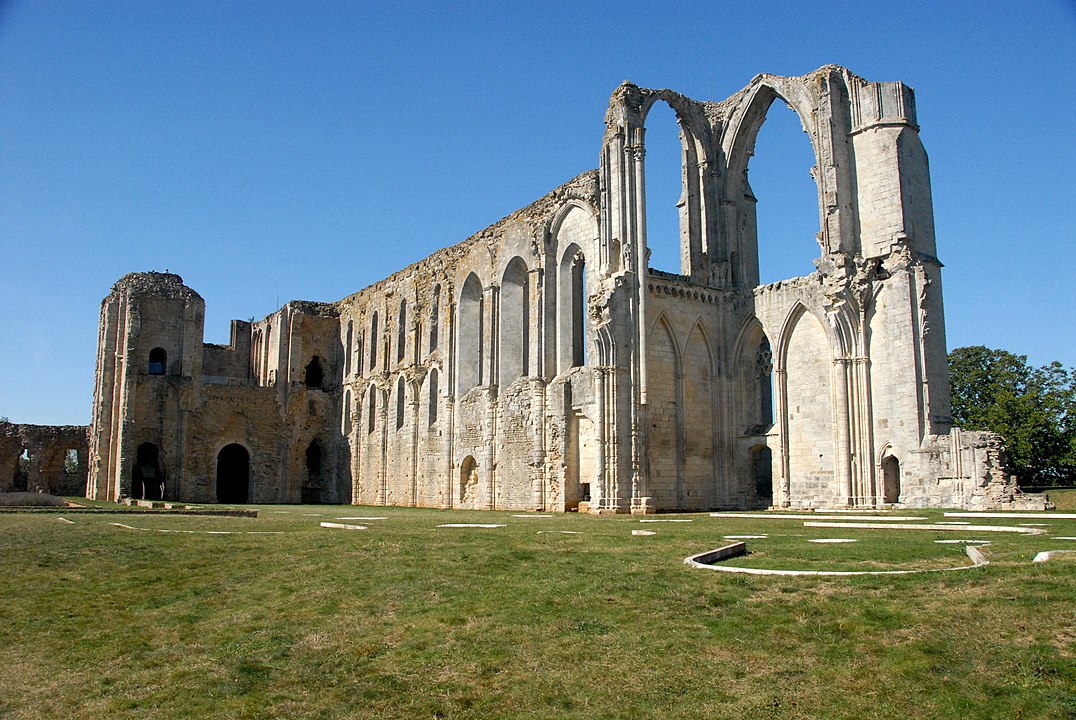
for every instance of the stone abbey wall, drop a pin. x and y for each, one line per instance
(43, 458)
(541, 365)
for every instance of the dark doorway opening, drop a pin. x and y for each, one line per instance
(762, 474)
(147, 482)
(314, 374)
(233, 475)
(311, 492)
(891, 479)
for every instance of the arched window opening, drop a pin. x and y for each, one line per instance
(158, 361)
(401, 332)
(579, 310)
(468, 481)
(147, 482)
(764, 380)
(233, 475)
(471, 331)
(400, 403)
(373, 343)
(359, 354)
(268, 343)
(345, 425)
(435, 316)
(762, 474)
(314, 375)
(571, 309)
(311, 490)
(786, 196)
(891, 479)
(664, 177)
(514, 336)
(347, 349)
(371, 410)
(433, 397)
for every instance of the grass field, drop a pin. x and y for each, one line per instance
(562, 617)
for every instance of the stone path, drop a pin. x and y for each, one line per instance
(815, 516)
(202, 532)
(1029, 515)
(949, 528)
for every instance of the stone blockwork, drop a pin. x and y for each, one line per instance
(541, 364)
(43, 458)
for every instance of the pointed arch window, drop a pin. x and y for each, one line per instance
(359, 354)
(347, 348)
(514, 335)
(470, 339)
(433, 397)
(764, 378)
(401, 332)
(571, 308)
(371, 410)
(435, 316)
(373, 343)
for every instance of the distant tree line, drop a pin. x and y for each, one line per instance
(1033, 408)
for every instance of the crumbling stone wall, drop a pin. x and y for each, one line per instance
(541, 364)
(43, 458)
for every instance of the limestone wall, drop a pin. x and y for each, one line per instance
(542, 365)
(43, 458)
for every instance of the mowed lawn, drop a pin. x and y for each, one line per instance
(548, 617)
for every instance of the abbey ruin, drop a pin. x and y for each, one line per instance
(541, 365)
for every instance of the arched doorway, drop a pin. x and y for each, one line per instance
(233, 474)
(468, 481)
(762, 474)
(890, 479)
(147, 481)
(311, 491)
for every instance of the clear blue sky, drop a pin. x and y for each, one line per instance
(269, 151)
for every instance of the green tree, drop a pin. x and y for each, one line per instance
(1034, 409)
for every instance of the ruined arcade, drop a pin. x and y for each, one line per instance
(541, 365)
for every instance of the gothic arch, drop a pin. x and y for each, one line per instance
(810, 398)
(740, 217)
(513, 328)
(470, 335)
(698, 423)
(567, 207)
(663, 321)
(746, 338)
(739, 138)
(665, 417)
(571, 313)
(780, 352)
(694, 126)
(755, 387)
(710, 352)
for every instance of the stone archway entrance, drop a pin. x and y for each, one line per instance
(762, 474)
(147, 481)
(890, 479)
(233, 474)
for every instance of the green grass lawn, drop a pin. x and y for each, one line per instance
(563, 617)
